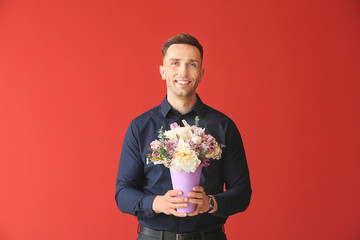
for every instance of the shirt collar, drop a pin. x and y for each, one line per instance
(198, 108)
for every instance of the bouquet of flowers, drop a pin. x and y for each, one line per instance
(184, 148)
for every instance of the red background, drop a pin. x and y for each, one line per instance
(74, 73)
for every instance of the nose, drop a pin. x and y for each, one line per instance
(183, 70)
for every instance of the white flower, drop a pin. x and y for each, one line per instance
(186, 124)
(199, 131)
(184, 133)
(171, 135)
(185, 158)
(196, 140)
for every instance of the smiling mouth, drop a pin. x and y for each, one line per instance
(183, 82)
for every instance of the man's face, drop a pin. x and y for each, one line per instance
(182, 70)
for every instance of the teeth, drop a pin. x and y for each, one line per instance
(182, 82)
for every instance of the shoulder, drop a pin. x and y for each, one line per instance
(217, 116)
(218, 124)
(222, 127)
(146, 116)
(147, 122)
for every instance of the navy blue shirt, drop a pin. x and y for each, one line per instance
(138, 183)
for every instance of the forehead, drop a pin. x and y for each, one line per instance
(183, 51)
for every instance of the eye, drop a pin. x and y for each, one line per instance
(174, 63)
(192, 64)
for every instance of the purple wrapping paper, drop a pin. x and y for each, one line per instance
(185, 182)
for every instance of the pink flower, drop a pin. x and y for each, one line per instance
(155, 144)
(202, 146)
(209, 138)
(183, 147)
(199, 131)
(173, 126)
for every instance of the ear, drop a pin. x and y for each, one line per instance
(202, 74)
(162, 72)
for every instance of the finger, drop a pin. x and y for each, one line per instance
(195, 195)
(177, 214)
(196, 201)
(198, 189)
(196, 212)
(174, 193)
(178, 205)
(177, 200)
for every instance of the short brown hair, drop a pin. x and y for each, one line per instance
(182, 38)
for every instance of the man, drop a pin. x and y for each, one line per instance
(145, 190)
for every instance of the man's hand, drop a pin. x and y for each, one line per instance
(169, 202)
(200, 198)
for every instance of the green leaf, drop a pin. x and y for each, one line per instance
(197, 119)
(161, 134)
(202, 154)
(163, 152)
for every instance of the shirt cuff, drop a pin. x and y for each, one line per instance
(146, 206)
(221, 206)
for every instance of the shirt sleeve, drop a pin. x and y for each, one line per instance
(238, 192)
(129, 197)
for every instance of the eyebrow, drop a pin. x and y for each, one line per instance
(178, 59)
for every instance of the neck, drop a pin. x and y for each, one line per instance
(182, 105)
